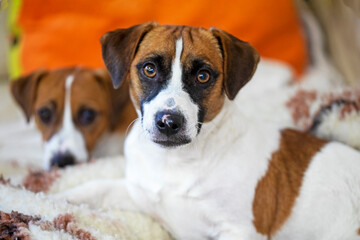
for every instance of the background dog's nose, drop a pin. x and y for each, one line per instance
(62, 160)
(169, 123)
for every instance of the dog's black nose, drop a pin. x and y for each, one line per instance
(62, 160)
(169, 123)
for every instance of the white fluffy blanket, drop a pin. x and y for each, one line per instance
(52, 219)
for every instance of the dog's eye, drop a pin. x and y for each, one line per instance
(86, 116)
(203, 76)
(45, 115)
(150, 70)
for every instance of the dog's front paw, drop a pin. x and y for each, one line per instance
(103, 193)
(83, 194)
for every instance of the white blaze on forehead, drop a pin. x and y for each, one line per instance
(176, 78)
(67, 119)
(68, 139)
(174, 92)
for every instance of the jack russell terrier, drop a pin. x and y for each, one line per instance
(196, 165)
(77, 111)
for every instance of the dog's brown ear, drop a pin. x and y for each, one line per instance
(119, 98)
(24, 91)
(240, 61)
(119, 48)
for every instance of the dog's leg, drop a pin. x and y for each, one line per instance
(102, 193)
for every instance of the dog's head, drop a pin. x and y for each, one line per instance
(179, 75)
(72, 108)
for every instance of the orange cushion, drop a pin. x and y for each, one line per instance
(61, 33)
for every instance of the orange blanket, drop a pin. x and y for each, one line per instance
(60, 33)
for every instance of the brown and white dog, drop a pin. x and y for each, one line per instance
(202, 169)
(77, 111)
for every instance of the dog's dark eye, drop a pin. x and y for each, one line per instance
(150, 70)
(203, 76)
(86, 116)
(45, 115)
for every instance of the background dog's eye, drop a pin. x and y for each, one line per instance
(150, 70)
(203, 76)
(45, 115)
(86, 116)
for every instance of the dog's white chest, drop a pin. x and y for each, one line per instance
(171, 198)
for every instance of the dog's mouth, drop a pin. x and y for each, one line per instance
(172, 143)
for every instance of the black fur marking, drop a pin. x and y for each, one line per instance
(201, 115)
(198, 91)
(152, 86)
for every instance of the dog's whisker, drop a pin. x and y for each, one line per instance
(127, 129)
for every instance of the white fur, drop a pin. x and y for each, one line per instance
(68, 138)
(174, 90)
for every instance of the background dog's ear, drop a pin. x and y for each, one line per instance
(240, 61)
(119, 98)
(119, 48)
(24, 91)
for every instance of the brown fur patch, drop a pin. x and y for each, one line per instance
(277, 191)
(358, 231)
(40, 181)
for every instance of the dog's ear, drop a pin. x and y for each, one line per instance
(239, 61)
(119, 48)
(119, 98)
(24, 91)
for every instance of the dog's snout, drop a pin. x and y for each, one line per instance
(62, 160)
(169, 123)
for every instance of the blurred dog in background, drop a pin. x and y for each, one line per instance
(78, 112)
